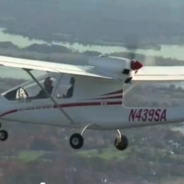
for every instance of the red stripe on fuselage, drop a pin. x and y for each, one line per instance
(111, 97)
(82, 104)
(8, 112)
(113, 93)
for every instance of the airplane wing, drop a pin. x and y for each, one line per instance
(52, 67)
(146, 73)
(159, 73)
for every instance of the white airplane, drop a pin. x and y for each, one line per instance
(87, 97)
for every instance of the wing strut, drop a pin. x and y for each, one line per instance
(54, 101)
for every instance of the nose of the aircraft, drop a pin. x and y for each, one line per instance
(136, 65)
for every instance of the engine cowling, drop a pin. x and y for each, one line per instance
(111, 64)
(117, 66)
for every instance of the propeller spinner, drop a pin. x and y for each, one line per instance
(135, 65)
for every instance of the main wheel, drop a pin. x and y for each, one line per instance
(76, 141)
(121, 144)
(3, 135)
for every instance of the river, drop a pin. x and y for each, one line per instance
(167, 51)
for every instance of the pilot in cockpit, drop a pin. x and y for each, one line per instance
(71, 89)
(48, 85)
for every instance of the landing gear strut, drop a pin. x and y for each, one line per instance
(77, 141)
(3, 135)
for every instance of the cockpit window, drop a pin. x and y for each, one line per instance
(48, 85)
(33, 90)
(65, 87)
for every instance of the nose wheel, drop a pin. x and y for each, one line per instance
(3, 135)
(76, 141)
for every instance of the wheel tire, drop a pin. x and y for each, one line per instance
(3, 135)
(123, 144)
(76, 141)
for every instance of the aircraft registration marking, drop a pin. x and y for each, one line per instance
(157, 115)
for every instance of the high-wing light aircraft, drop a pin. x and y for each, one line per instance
(87, 97)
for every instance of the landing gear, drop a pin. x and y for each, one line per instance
(76, 141)
(3, 135)
(121, 143)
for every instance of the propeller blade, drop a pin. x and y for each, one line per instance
(131, 51)
(131, 45)
(131, 55)
(150, 60)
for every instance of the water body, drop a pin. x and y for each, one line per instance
(167, 51)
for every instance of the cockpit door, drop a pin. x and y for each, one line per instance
(48, 82)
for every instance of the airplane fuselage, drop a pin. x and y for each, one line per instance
(94, 101)
(85, 96)
(100, 115)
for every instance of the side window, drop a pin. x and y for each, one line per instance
(66, 87)
(34, 90)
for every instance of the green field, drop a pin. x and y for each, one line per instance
(107, 154)
(26, 156)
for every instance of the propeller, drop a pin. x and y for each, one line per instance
(132, 50)
(134, 64)
(132, 44)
